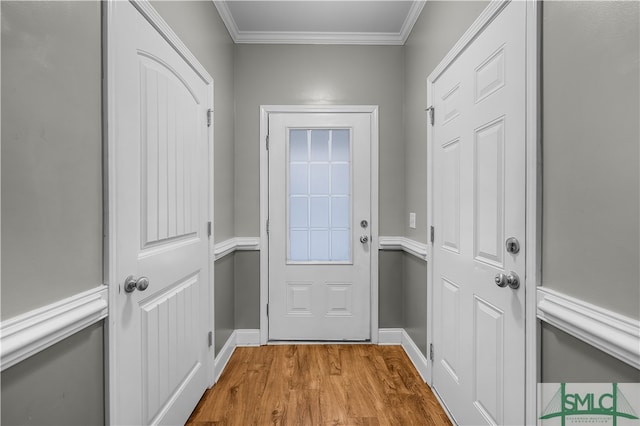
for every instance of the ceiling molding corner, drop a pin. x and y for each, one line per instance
(227, 18)
(412, 18)
(310, 37)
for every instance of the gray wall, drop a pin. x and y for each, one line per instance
(247, 289)
(390, 289)
(293, 74)
(51, 152)
(591, 231)
(224, 296)
(52, 201)
(567, 359)
(52, 185)
(62, 385)
(415, 300)
(438, 28)
(591, 236)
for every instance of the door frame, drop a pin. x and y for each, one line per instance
(533, 208)
(109, 93)
(265, 110)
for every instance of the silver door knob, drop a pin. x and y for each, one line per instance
(501, 280)
(512, 280)
(131, 283)
(364, 239)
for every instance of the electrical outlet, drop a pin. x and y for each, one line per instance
(412, 220)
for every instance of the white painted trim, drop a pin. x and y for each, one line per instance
(231, 245)
(223, 357)
(154, 18)
(310, 37)
(265, 110)
(29, 333)
(419, 250)
(412, 18)
(247, 337)
(417, 358)
(533, 209)
(399, 336)
(239, 338)
(615, 334)
(390, 336)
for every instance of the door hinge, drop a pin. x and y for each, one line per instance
(433, 234)
(209, 115)
(209, 228)
(267, 309)
(267, 226)
(267, 142)
(431, 351)
(431, 111)
(210, 338)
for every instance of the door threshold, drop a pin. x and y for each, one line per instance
(319, 342)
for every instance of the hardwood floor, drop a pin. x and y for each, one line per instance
(319, 385)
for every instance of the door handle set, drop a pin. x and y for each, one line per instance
(512, 280)
(131, 283)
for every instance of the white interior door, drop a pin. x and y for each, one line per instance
(160, 177)
(479, 202)
(319, 209)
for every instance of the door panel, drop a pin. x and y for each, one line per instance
(319, 191)
(162, 207)
(479, 188)
(489, 193)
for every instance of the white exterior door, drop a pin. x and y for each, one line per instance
(479, 202)
(319, 208)
(158, 122)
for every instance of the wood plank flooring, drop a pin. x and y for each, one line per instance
(319, 385)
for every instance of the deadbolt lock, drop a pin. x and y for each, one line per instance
(513, 245)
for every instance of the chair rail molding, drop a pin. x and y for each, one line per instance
(615, 334)
(419, 250)
(29, 333)
(231, 245)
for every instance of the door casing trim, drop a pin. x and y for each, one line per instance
(533, 211)
(265, 110)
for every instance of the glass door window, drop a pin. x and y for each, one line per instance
(319, 196)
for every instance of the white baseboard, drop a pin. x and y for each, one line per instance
(27, 334)
(416, 357)
(612, 333)
(250, 337)
(223, 357)
(241, 337)
(390, 336)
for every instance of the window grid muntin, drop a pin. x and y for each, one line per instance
(306, 234)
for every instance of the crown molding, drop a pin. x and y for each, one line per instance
(311, 37)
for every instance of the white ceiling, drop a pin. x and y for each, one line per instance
(320, 21)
